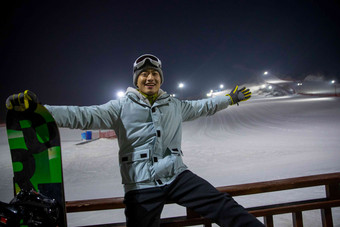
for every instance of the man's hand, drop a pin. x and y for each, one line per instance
(240, 95)
(21, 101)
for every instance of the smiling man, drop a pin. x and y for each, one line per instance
(148, 124)
(148, 76)
(149, 81)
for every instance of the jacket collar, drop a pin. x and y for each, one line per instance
(134, 94)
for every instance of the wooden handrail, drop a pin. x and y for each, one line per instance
(234, 190)
(279, 185)
(331, 181)
(94, 204)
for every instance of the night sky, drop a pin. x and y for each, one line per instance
(81, 52)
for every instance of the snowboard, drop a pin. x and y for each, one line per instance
(34, 142)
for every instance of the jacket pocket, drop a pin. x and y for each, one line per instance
(176, 156)
(135, 167)
(170, 165)
(176, 151)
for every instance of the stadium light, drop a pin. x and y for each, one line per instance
(221, 86)
(120, 94)
(210, 93)
(180, 85)
(265, 73)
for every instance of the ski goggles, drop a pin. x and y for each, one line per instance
(142, 60)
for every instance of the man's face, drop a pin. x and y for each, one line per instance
(149, 81)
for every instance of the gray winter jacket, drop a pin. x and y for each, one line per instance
(149, 137)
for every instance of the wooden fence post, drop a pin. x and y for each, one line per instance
(268, 221)
(326, 216)
(297, 219)
(332, 192)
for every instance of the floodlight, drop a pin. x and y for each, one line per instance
(120, 94)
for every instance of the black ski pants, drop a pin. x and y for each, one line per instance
(144, 207)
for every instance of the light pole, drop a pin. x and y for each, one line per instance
(181, 86)
(333, 82)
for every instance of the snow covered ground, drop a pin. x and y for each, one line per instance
(260, 140)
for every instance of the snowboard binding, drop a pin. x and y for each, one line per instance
(29, 208)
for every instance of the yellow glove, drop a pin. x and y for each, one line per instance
(21, 101)
(237, 96)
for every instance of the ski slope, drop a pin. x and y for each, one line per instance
(262, 139)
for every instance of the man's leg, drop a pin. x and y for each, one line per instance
(191, 191)
(144, 207)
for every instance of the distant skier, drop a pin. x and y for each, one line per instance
(148, 123)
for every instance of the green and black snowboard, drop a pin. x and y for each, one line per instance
(34, 142)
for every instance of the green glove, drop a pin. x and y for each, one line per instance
(237, 96)
(21, 101)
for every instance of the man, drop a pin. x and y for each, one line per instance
(148, 124)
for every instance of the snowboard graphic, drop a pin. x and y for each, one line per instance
(34, 142)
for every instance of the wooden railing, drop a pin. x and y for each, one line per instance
(332, 199)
